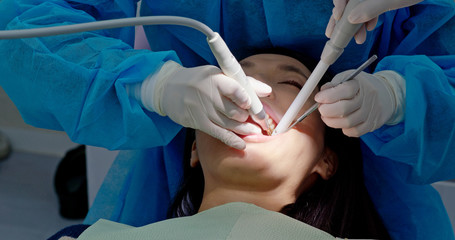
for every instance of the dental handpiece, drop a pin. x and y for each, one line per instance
(231, 68)
(341, 36)
(349, 77)
(224, 57)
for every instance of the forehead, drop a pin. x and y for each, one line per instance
(273, 60)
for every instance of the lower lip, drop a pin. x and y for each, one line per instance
(258, 138)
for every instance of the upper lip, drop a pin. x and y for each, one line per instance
(272, 114)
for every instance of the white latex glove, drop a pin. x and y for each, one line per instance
(366, 12)
(202, 98)
(363, 104)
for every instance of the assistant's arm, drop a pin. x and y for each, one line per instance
(407, 102)
(424, 142)
(76, 83)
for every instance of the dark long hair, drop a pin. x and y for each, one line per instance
(340, 206)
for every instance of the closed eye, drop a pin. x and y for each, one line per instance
(293, 83)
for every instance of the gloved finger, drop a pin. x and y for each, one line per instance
(230, 110)
(368, 125)
(261, 89)
(330, 27)
(335, 81)
(369, 9)
(351, 132)
(361, 35)
(341, 108)
(223, 121)
(357, 131)
(370, 25)
(331, 122)
(242, 128)
(231, 89)
(327, 85)
(227, 137)
(352, 120)
(339, 6)
(340, 77)
(345, 91)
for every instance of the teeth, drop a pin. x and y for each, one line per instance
(272, 125)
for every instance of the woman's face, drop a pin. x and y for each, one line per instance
(292, 157)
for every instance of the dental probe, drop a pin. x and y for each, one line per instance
(349, 77)
(228, 64)
(342, 34)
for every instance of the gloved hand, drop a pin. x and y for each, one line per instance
(363, 104)
(202, 98)
(366, 12)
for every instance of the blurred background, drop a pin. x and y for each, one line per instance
(47, 182)
(38, 168)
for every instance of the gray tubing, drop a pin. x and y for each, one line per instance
(107, 24)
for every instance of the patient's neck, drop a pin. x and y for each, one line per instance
(272, 199)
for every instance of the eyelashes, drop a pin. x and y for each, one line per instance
(292, 83)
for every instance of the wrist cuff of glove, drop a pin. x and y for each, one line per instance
(152, 91)
(134, 91)
(141, 92)
(397, 86)
(148, 93)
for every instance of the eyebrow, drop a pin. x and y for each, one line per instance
(283, 67)
(246, 64)
(291, 68)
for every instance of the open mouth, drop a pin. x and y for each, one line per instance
(271, 122)
(271, 119)
(272, 125)
(266, 134)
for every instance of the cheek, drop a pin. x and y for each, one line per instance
(207, 147)
(284, 96)
(312, 129)
(312, 139)
(301, 146)
(294, 157)
(213, 153)
(313, 126)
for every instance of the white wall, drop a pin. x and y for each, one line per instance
(447, 191)
(25, 138)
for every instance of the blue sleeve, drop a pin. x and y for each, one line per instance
(75, 82)
(425, 56)
(408, 211)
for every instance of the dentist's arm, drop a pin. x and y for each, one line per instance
(366, 12)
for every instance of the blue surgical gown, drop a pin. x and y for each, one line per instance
(76, 83)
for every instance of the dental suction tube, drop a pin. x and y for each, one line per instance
(228, 64)
(341, 36)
